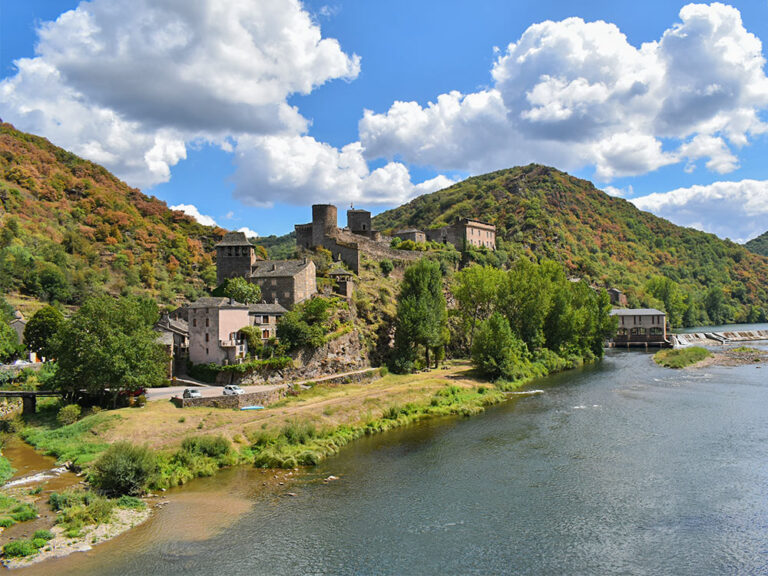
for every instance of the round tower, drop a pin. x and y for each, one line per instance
(324, 222)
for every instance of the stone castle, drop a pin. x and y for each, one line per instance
(346, 244)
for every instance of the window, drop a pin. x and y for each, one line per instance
(286, 294)
(265, 334)
(621, 332)
(656, 331)
(206, 336)
(274, 282)
(206, 351)
(207, 322)
(265, 320)
(194, 321)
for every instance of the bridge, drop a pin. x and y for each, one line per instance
(28, 398)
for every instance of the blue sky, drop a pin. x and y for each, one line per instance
(247, 112)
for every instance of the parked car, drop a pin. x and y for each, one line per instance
(192, 393)
(233, 390)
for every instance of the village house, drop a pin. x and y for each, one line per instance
(287, 282)
(18, 324)
(411, 234)
(174, 335)
(465, 233)
(618, 298)
(265, 316)
(214, 325)
(640, 326)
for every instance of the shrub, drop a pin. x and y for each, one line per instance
(24, 512)
(131, 502)
(124, 469)
(6, 522)
(42, 535)
(213, 446)
(386, 267)
(298, 432)
(69, 414)
(19, 549)
(141, 400)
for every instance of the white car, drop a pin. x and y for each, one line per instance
(233, 390)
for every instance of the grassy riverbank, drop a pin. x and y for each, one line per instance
(681, 357)
(299, 430)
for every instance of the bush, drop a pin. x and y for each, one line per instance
(69, 414)
(124, 469)
(131, 502)
(213, 446)
(6, 522)
(42, 535)
(24, 512)
(496, 351)
(19, 549)
(386, 267)
(141, 400)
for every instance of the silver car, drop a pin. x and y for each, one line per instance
(192, 393)
(233, 390)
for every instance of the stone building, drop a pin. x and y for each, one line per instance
(640, 326)
(345, 286)
(265, 317)
(465, 233)
(19, 323)
(411, 234)
(286, 282)
(174, 334)
(235, 256)
(214, 325)
(618, 298)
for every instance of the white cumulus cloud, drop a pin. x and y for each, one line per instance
(575, 94)
(191, 210)
(248, 232)
(129, 84)
(735, 210)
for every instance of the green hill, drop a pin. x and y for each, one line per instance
(758, 245)
(545, 213)
(68, 227)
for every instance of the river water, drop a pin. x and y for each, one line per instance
(619, 468)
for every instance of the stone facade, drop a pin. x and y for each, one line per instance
(265, 317)
(618, 298)
(640, 326)
(174, 335)
(235, 257)
(465, 233)
(359, 221)
(412, 235)
(234, 402)
(345, 286)
(287, 282)
(214, 325)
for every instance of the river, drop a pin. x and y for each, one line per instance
(619, 468)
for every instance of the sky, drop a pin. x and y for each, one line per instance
(243, 113)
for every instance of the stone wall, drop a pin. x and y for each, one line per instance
(234, 402)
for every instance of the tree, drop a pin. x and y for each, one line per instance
(240, 290)
(670, 294)
(109, 345)
(714, 303)
(476, 290)
(497, 352)
(421, 315)
(9, 342)
(41, 330)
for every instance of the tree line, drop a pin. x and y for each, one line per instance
(509, 322)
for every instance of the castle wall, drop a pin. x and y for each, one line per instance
(359, 221)
(324, 222)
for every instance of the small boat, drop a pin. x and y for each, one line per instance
(252, 408)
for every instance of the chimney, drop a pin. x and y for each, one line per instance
(276, 302)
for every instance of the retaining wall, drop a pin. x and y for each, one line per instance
(234, 402)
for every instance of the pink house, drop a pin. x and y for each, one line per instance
(214, 325)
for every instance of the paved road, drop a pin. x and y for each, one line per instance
(205, 390)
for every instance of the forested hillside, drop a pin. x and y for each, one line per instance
(546, 213)
(68, 228)
(758, 245)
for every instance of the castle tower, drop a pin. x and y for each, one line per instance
(359, 221)
(324, 222)
(235, 256)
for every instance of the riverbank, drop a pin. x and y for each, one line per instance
(698, 357)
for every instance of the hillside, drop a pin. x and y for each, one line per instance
(546, 213)
(758, 245)
(69, 227)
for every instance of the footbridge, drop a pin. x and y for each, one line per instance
(28, 398)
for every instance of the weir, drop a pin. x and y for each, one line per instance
(713, 338)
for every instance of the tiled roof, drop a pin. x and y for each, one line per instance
(278, 268)
(266, 308)
(234, 239)
(339, 272)
(636, 312)
(216, 303)
(409, 231)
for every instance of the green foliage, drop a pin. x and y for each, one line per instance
(681, 357)
(386, 266)
(476, 290)
(69, 414)
(41, 330)
(758, 245)
(307, 325)
(131, 503)
(9, 342)
(24, 512)
(213, 446)
(6, 470)
(542, 213)
(109, 344)
(421, 315)
(208, 372)
(42, 535)
(240, 290)
(671, 296)
(497, 352)
(20, 548)
(124, 469)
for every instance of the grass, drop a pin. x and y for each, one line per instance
(6, 470)
(681, 357)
